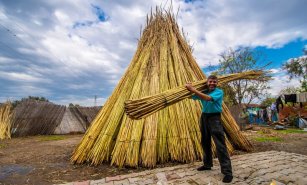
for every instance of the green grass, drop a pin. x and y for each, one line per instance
(2, 145)
(268, 139)
(288, 131)
(260, 132)
(51, 138)
(292, 131)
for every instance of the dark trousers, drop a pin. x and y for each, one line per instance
(211, 126)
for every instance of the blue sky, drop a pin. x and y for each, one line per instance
(281, 55)
(70, 51)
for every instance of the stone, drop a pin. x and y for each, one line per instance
(82, 183)
(172, 176)
(254, 168)
(98, 182)
(148, 181)
(133, 179)
(161, 177)
(121, 182)
(181, 174)
(302, 181)
(114, 178)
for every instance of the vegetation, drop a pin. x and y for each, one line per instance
(267, 101)
(289, 90)
(297, 68)
(2, 145)
(292, 131)
(238, 61)
(51, 138)
(73, 105)
(268, 139)
(30, 98)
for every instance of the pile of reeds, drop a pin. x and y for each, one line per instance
(163, 61)
(143, 107)
(6, 114)
(36, 118)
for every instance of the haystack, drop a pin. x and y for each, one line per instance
(163, 61)
(6, 114)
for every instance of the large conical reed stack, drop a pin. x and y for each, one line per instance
(6, 114)
(163, 61)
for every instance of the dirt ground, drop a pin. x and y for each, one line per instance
(37, 160)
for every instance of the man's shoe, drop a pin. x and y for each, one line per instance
(227, 178)
(203, 168)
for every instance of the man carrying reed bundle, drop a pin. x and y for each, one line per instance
(211, 125)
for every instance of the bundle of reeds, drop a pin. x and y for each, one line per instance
(163, 61)
(143, 107)
(6, 114)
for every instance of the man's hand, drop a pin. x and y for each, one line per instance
(190, 87)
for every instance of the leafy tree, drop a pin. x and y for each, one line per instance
(267, 101)
(241, 60)
(29, 98)
(297, 67)
(229, 95)
(37, 98)
(289, 90)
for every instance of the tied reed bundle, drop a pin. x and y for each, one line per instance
(6, 114)
(137, 109)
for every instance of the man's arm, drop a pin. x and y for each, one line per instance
(198, 93)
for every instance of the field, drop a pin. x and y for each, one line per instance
(45, 159)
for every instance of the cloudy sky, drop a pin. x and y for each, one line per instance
(69, 51)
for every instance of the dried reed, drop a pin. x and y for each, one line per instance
(6, 114)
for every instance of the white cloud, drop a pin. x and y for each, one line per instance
(6, 60)
(214, 26)
(25, 91)
(48, 49)
(82, 101)
(278, 70)
(281, 81)
(22, 77)
(80, 86)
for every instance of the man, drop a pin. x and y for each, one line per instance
(210, 125)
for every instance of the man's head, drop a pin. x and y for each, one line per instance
(212, 82)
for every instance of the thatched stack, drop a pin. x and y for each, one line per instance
(76, 119)
(36, 118)
(163, 61)
(6, 114)
(85, 114)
